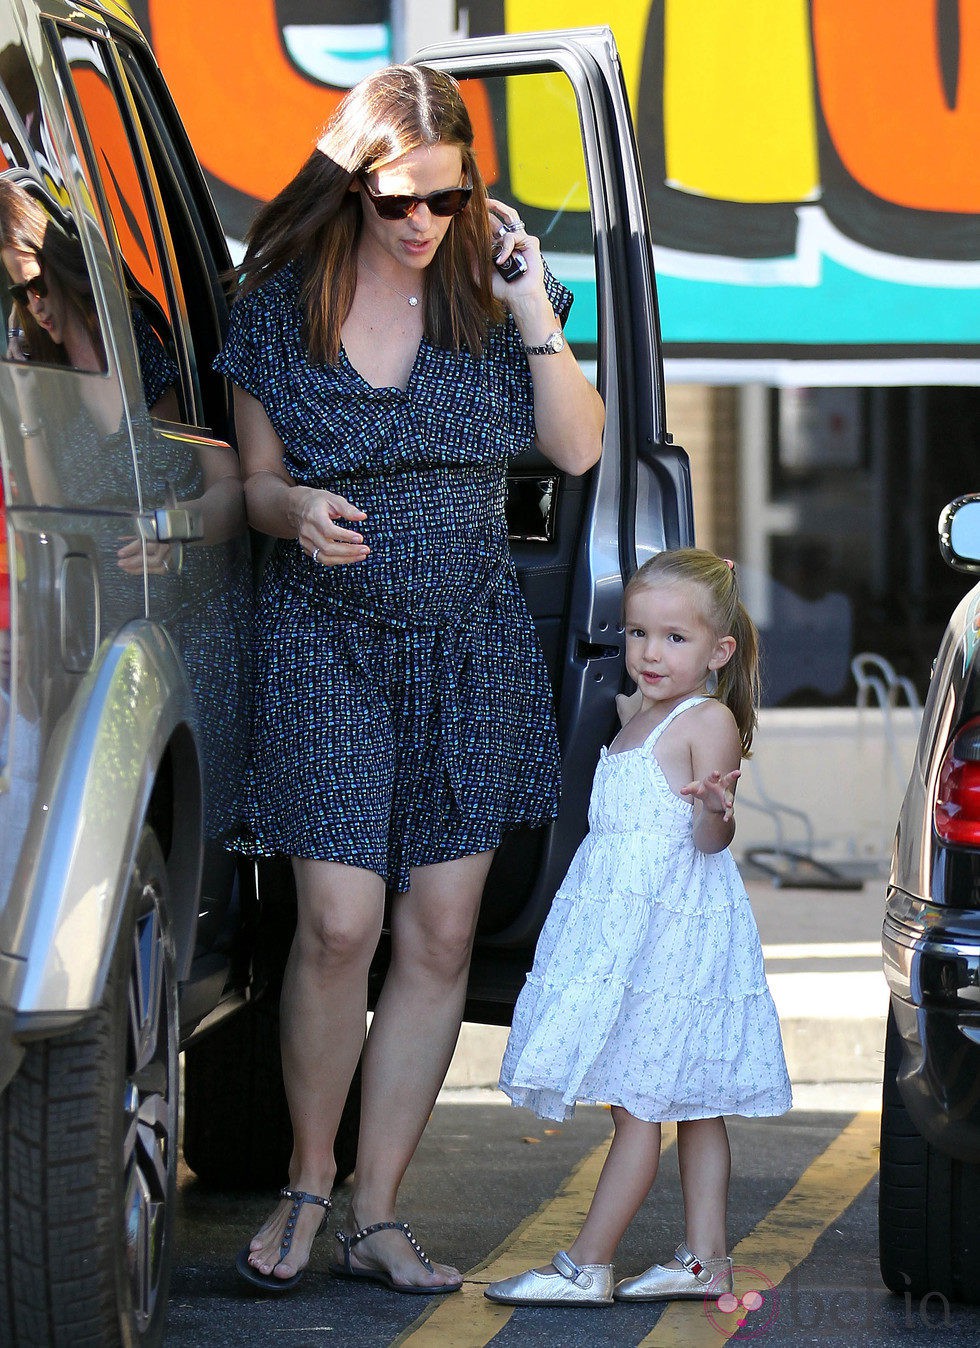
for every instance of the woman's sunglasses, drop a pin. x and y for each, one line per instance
(447, 201)
(36, 286)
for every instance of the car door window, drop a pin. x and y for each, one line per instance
(62, 415)
(544, 177)
(120, 184)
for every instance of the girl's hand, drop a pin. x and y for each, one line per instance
(328, 542)
(514, 239)
(716, 792)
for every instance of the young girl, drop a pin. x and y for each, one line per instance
(648, 990)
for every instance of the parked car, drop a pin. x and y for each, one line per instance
(929, 1205)
(127, 932)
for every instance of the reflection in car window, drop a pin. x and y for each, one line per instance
(24, 141)
(51, 316)
(130, 221)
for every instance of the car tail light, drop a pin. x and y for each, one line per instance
(957, 811)
(4, 571)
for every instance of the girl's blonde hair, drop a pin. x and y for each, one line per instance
(738, 680)
(316, 217)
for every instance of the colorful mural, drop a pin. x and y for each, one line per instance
(811, 165)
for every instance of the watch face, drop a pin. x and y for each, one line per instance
(556, 342)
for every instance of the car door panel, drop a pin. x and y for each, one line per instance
(585, 202)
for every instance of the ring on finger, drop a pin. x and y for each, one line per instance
(315, 553)
(514, 227)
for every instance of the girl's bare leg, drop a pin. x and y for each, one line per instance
(323, 1016)
(705, 1162)
(629, 1170)
(410, 1044)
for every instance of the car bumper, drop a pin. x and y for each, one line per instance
(932, 964)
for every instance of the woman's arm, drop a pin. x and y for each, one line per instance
(278, 506)
(568, 412)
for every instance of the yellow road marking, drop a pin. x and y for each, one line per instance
(785, 1237)
(466, 1319)
(780, 1242)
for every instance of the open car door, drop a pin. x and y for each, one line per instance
(554, 139)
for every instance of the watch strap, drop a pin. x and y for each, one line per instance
(549, 347)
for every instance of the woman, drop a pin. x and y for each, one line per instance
(384, 374)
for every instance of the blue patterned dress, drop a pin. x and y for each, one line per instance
(403, 714)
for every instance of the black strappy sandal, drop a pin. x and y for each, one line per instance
(268, 1281)
(380, 1275)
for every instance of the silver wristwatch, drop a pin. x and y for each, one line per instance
(553, 343)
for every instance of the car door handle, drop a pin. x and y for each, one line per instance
(593, 650)
(175, 524)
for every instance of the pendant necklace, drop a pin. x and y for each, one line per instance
(412, 299)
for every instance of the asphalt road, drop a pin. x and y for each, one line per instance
(494, 1190)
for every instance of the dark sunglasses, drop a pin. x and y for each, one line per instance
(447, 201)
(36, 286)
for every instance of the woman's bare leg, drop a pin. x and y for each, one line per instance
(705, 1162)
(323, 1017)
(413, 1034)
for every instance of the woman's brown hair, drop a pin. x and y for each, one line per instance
(317, 218)
(738, 680)
(27, 225)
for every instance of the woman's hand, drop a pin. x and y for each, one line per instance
(507, 229)
(16, 343)
(159, 556)
(320, 534)
(716, 792)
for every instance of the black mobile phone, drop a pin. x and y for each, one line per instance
(512, 267)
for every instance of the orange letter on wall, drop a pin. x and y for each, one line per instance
(881, 89)
(251, 116)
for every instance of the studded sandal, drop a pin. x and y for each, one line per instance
(268, 1281)
(380, 1275)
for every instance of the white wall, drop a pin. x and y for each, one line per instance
(845, 768)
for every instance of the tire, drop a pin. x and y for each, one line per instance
(86, 1241)
(928, 1203)
(237, 1133)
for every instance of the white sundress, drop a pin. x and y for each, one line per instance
(648, 988)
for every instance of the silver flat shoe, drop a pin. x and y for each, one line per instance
(571, 1284)
(695, 1281)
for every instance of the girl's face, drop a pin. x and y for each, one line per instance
(413, 241)
(671, 647)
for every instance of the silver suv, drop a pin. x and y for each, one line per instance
(127, 932)
(124, 598)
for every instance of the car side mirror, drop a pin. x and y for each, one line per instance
(959, 533)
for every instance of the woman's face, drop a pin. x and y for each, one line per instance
(414, 240)
(48, 311)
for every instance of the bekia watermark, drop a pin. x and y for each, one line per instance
(757, 1303)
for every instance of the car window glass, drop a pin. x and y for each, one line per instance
(24, 142)
(544, 179)
(198, 252)
(129, 218)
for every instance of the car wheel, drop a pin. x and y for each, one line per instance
(928, 1203)
(88, 1161)
(237, 1133)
